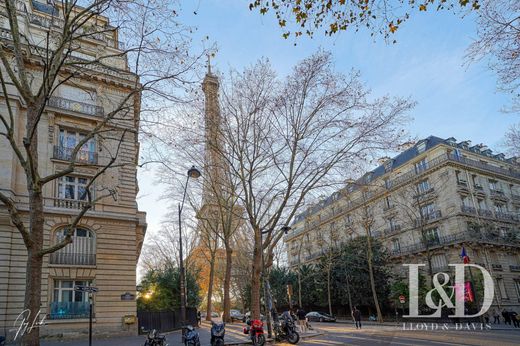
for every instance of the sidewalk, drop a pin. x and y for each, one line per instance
(234, 336)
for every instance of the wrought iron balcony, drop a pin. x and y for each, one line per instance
(68, 310)
(459, 237)
(497, 267)
(73, 258)
(468, 210)
(392, 229)
(75, 106)
(69, 203)
(82, 156)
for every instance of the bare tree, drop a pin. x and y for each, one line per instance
(498, 38)
(286, 139)
(512, 140)
(36, 63)
(327, 240)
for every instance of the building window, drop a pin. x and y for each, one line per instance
(428, 210)
(388, 203)
(82, 250)
(517, 288)
(460, 178)
(439, 261)
(396, 246)
(432, 236)
(71, 187)
(421, 166)
(466, 201)
(500, 208)
(502, 288)
(67, 142)
(494, 185)
(388, 183)
(423, 186)
(481, 204)
(66, 302)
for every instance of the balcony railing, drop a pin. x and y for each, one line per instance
(73, 259)
(464, 236)
(392, 229)
(75, 106)
(497, 267)
(432, 216)
(69, 203)
(438, 161)
(468, 210)
(68, 310)
(497, 193)
(82, 156)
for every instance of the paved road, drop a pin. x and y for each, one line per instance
(340, 334)
(344, 334)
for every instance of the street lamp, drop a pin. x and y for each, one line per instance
(285, 229)
(192, 173)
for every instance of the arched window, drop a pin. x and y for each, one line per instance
(82, 250)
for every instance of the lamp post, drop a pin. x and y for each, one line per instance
(192, 173)
(285, 229)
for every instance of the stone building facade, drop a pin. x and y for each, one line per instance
(107, 242)
(435, 197)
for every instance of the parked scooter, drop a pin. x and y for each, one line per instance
(217, 334)
(285, 329)
(153, 338)
(190, 337)
(256, 332)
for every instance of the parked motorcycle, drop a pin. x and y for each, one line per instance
(153, 338)
(285, 329)
(2, 341)
(217, 334)
(190, 337)
(256, 332)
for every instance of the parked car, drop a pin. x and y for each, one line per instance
(236, 315)
(320, 317)
(246, 316)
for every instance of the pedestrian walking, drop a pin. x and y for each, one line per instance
(199, 318)
(496, 316)
(302, 320)
(514, 318)
(507, 317)
(486, 317)
(356, 314)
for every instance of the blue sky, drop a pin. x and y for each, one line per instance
(427, 64)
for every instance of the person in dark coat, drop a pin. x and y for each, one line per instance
(199, 318)
(507, 317)
(302, 320)
(356, 314)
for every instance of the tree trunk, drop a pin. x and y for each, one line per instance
(255, 276)
(299, 288)
(328, 291)
(348, 295)
(33, 275)
(372, 281)
(210, 287)
(227, 283)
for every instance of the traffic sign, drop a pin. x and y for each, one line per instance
(402, 299)
(89, 289)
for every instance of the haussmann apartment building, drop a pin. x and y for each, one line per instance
(436, 196)
(107, 242)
